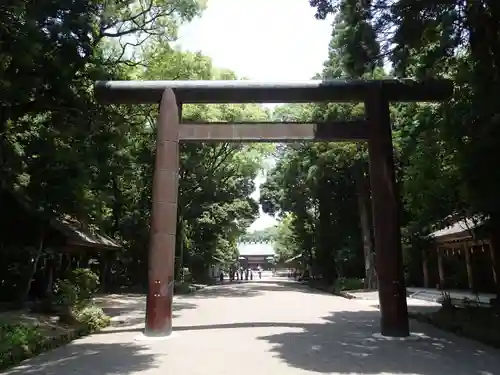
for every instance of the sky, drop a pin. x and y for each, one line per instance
(264, 40)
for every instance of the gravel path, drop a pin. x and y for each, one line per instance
(271, 327)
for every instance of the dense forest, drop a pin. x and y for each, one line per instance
(76, 176)
(443, 152)
(65, 154)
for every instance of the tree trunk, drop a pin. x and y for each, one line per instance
(363, 194)
(425, 268)
(495, 250)
(103, 272)
(51, 266)
(31, 272)
(117, 205)
(325, 253)
(180, 237)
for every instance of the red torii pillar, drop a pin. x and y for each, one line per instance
(161, 258)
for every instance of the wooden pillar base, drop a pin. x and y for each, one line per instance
(163, 220)
(393, 309)
(159, 309)
(425, 268)
(442, 280)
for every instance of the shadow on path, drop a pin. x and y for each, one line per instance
(348, 342)
(236, 290)
(128, 309)
(254, 288)
(89, 359)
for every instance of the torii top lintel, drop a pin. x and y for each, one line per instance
(150, 92)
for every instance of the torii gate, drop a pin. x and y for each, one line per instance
(374, 128)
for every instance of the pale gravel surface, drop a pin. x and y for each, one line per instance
(267, 328)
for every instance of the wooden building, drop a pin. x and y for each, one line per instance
(253, 255)
(462, 248)
(46, 245)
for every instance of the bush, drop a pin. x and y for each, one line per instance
(77, 289)
(74, 293)
(72, 298)
(18, 342)
(93, 318)
(86, 283)
(66, 293)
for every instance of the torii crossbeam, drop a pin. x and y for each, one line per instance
(375, 128)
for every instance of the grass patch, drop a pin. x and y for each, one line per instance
(478, 323)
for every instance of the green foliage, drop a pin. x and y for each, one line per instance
(67, 154)
(92, 317)
(66, 293)
(17, 342)
(73, 300)
(442, 150)
(286, 245)
(263, 235)
(314, 186)
(20, 341)
(98, 167)
(77, 290)
(86, 282)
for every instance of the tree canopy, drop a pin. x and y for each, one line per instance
(69, 155)
(442, 151)
(66, 154)
(263, 235)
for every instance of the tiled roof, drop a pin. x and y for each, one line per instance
(460, 229)
(73, 230)
(252, 249)
(79, 234)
